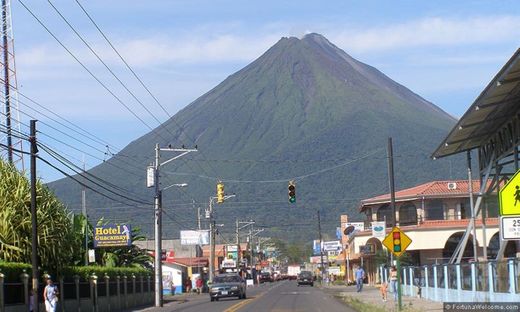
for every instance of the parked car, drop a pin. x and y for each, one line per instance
(227, 285)
(305, 278)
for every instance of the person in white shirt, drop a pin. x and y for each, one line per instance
(50, 296)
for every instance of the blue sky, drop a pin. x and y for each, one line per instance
(446, 51)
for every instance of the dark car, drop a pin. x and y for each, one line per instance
(265, 277)
(305, 278)
(227, 285)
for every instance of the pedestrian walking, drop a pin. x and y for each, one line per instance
(384, 291)
(393, 280)
(50, 296)
(198, 284)
(31, 300)
(360, 276)
(188, 285)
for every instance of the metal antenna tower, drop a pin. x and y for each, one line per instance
(10, 119)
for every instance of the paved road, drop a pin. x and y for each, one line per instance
(282, 296)
(288, 297)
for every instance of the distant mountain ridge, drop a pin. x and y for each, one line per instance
(300, 108)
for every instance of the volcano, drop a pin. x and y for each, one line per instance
(305, 111)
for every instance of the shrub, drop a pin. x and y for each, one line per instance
(12, 271)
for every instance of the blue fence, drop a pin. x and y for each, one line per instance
(479, 281)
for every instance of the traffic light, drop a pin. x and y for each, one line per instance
(292, 192)
(220, 192)
(397, 241)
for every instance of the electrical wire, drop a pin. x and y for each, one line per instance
(88, 70)
(108, 67)
(122, 59)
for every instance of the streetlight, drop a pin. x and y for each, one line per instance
(176, 184)
(212, 236)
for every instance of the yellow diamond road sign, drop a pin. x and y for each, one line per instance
(509, 197)
(397, 241)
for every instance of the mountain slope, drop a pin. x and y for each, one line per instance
(300, 108)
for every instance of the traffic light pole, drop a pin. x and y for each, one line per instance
(212, 237)
(394, 219)
(321, 248)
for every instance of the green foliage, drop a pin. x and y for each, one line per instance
(12, 271)
(55, 237)
(292, 252)
(100, 271)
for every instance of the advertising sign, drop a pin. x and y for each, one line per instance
(359, 226)
(316, 248)
(331, 245)
(232, 252)
(229, 263)
(112, 235)
(338, 233)
(379, 229)
(195, 237)
(332, 255)
(315, 259)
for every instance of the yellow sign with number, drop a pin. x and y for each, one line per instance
(397, 241)
(509, 197)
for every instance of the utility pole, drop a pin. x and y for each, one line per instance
(158, 216)
(211, 241)
(237, 238)
(394, 219)
(34, 221)
(237, 233)
(321, 248)
(84, 212)
(212, 236)
(198, 218)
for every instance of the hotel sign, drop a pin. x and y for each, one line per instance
(111, 235)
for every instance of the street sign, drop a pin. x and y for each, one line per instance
(397, 241)
(510, 228)
(509, 197)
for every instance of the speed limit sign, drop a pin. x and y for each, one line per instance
(510, 228)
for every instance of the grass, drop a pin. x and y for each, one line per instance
(362, 306)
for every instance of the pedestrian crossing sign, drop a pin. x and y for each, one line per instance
(509, 197)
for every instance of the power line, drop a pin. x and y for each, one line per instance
(301, 177)
(88, 70)
(122, 59)
(106, 66)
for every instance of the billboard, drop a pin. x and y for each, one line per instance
(112, 235)
(332, 245)
(232, 252)
(195, 237)
(316, 248)
(379, 229)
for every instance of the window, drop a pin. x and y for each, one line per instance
(407, 214)
(434, 210)
(385, 213)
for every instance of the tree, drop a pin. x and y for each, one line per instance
(55, 236)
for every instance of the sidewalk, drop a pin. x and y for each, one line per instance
(171, 301)
(371, 295)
